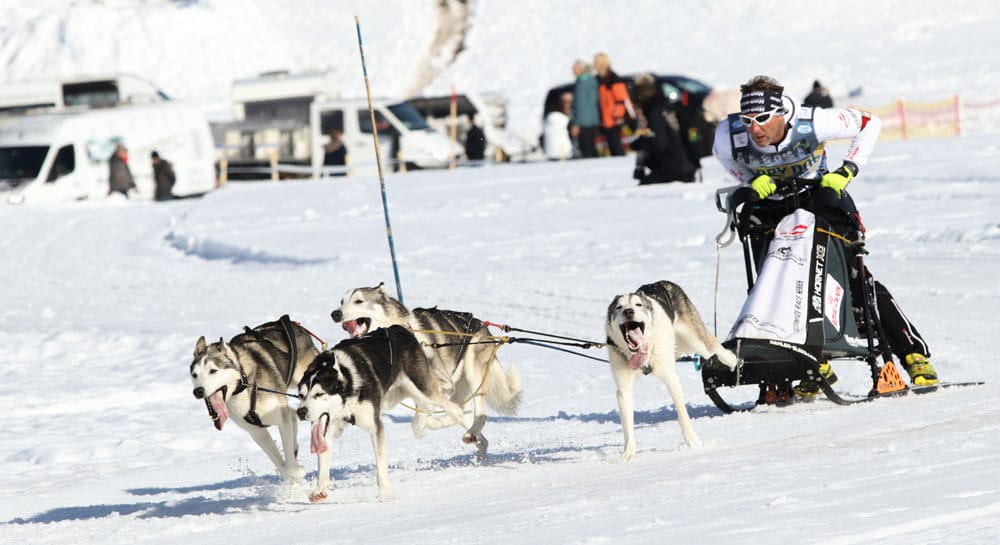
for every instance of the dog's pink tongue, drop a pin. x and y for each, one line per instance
(317, 445)
(219, 406)
(352, 328)
(641, 355)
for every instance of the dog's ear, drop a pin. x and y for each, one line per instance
(200, 347)
(613, 307)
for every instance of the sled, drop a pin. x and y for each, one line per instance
(809, 301)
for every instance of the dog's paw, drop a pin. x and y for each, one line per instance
(628, 455)
(469, 438)
(317, 496)
(294, 473)
(694, 442)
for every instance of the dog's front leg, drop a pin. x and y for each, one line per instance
(322, 474)
(624, 379)
(288, 430)
(381, 461)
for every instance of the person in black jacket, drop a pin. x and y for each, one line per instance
(661, 155)
(819, 97)
(163, 176)
(475, 143)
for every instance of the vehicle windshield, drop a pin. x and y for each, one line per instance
(21, 162)
(410, 117)
(692, 86)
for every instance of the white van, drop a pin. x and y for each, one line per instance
(63, 156)
(404, 136)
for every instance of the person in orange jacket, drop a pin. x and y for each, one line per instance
(616, 105)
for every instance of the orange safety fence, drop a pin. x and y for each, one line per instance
(912, 120)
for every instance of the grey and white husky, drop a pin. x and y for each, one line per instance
(356, 380)
(452, 342)
(233, 378)
(647, 330)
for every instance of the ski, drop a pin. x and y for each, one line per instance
(847, 399)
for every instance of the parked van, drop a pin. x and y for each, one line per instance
(405, 137)
(63, 156)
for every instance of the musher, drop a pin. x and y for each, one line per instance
(773, 139)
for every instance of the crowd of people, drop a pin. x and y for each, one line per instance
(602, 108)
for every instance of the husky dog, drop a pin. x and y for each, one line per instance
(647, 329)
(356, 380)
(466, 368)
(234, 378)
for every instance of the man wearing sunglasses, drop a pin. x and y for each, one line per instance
(772, 139)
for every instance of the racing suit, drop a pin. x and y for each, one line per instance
(802, 154)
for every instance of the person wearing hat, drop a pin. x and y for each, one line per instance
(819, 97)
(772, 139)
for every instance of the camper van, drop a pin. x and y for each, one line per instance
(94, 91)
(63, 156)
(282, 123)
(405, 138)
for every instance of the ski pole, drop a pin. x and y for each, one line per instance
(378, 160)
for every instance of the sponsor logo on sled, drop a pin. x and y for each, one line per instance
(785, 253)
(793, 348)
(817, 297)
(834, 296)
(796, 231)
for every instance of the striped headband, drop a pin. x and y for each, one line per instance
(756, 102)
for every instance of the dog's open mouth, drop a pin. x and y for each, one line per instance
(357, 328)
(217, 408)
(317, 443)
(635, 336)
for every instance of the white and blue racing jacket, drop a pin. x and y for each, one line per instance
(801, 153)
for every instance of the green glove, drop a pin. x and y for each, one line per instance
(838, 179)
(764, 186)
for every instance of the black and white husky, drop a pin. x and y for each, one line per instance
(647, 330)
(233, 378)
(452, 342)
(356, 380)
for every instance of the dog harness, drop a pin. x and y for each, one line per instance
(252, 417)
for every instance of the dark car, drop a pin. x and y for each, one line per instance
(674, 88)
(684, 94)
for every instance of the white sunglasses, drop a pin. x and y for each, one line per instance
(762, 118)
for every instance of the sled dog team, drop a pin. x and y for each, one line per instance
(428, 356)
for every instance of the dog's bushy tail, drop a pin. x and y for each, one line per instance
(503, 390)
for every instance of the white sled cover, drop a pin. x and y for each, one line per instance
(777, 307)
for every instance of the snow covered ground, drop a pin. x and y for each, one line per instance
(102, 303)
(103, 442)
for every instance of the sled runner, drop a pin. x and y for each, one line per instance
(810, 301)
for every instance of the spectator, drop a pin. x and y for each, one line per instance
(819, 97)
(119, 176)
(335, 152)
(558, 145)
(163, 176)
(615, 104)
(586, 113)
(661, 155)
(475, 142)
